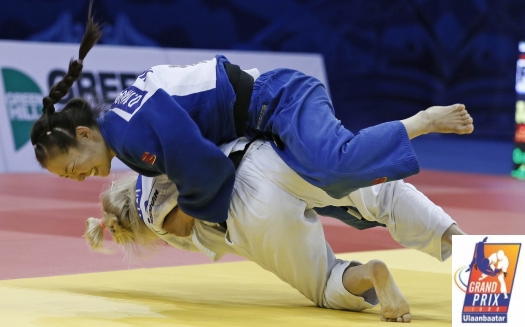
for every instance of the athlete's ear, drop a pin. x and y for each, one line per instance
(84, 133)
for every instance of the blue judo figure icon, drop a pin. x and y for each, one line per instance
(482, 263)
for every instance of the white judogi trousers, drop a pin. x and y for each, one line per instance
(271, 222)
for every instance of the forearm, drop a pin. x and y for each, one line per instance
(178, 223)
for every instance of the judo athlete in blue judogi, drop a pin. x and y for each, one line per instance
(172, 119)
(188, 110)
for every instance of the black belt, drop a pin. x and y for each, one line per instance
(242, 83)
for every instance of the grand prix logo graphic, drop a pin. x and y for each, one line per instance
(487, 282)
(23, 100)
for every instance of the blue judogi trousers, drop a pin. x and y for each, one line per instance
(295, 108)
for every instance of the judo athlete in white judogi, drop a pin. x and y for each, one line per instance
(271, 222)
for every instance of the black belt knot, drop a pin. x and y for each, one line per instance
(242, 84)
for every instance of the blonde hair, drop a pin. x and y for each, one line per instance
(122, 220)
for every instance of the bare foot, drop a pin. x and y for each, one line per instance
(449, 119)
(394, 306)
(437, 119)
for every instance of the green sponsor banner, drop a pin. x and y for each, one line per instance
(23, 101)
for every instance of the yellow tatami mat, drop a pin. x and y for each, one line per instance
(223, 294)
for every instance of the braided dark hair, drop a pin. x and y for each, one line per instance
(55, 132)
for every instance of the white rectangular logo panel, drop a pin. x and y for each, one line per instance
(488, 280)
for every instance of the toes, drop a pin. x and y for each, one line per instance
(464, 114)
(467, 129)
(466, 120)
(404, 318)
(458, 107)
(467, 125)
